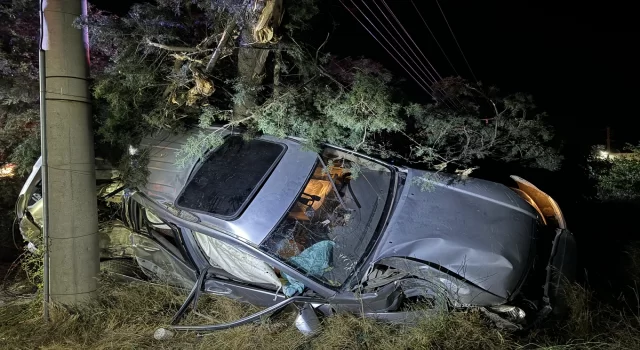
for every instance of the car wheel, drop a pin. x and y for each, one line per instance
(420, 293)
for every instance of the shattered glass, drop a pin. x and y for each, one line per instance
(337, 210)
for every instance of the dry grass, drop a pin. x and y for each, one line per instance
(126, 315)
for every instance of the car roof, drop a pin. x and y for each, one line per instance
(167, 179)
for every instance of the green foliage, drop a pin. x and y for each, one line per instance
(133, 168)
(364, 113)
(300, 13)
(427, 182)
(137, 90)
(32, 264)
(198, 145)
(367, 106)
(26, 153)
(320, 114)
(155, 78)
(482, 125)
(19, 96)
(618, 179)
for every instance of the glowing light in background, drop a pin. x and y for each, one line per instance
(7, 170)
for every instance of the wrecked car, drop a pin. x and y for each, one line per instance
(270, 222)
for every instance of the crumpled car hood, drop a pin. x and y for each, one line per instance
(478, 230)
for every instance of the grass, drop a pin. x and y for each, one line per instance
(126, 315)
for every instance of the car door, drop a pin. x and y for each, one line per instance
(236, 272)
(158, 247)
(29, 205)
(31, 191)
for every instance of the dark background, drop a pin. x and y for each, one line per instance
(579, 61)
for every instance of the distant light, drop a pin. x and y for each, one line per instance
(132, 150)
(7, 170)
(603, 154)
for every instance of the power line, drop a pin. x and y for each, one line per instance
(451, 102)
(428, 75)
(409, 36)
(390, 44)
(425, 70)
(456, 40)
(384, 47)
(416, 45)
(434, 38)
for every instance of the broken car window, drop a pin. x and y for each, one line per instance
(162, 232)
(328, 229)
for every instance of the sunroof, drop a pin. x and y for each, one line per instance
(226, 181)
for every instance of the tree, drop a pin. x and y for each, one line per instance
(618, 178)
(164, 58)
(19, 97)
(179, 63)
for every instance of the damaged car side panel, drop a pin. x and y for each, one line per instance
(479, 230)
(458, 291)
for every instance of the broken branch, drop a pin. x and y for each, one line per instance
(231, 25)
(172, 48)
(321, 46)
(185, 58)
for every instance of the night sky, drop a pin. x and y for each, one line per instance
(579, 61)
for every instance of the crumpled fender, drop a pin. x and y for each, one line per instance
(461, 292)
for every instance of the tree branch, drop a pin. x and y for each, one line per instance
(277, 71)
(172, 48)
(185, 58)
(231, 25)
(321, 46)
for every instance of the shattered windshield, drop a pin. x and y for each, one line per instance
(327, 230)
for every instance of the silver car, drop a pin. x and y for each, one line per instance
(271, 222)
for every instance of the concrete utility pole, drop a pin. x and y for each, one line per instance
(71, 218)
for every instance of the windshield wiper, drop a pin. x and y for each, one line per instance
(353, 195)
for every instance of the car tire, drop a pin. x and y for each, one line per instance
(419, 291)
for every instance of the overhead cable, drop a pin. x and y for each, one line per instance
(456, 40)
(426, 89)
(416, 45)
(424, 68)
(427, 73)
(434, 38)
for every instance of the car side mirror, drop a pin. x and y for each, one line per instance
(307, 320)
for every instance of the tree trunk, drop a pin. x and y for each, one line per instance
(277, 71)
(251, 61)
(251, 64)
